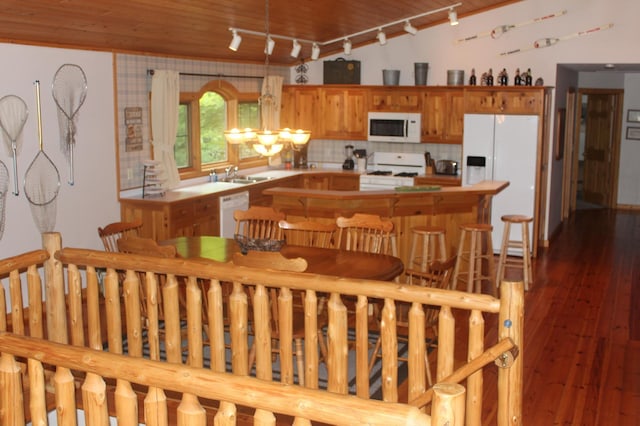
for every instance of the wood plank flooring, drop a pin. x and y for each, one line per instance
(582, 326)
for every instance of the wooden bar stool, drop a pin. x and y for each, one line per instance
(427, 244)
(506, 261)
(475, 246)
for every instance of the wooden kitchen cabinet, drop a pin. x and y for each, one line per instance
(256, 196)
(331, 181)
(395, 99)
(161, 221)
(343, 113)
(504, 100)
(443, 116)
(340, 182)
(300, 108)
(315, 181)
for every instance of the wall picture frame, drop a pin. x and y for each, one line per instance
(633, 116)
(633, 133)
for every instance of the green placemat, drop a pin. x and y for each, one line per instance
(418, 188)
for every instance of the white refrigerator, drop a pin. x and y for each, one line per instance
(507, 145)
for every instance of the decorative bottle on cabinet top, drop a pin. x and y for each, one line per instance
(472, 79)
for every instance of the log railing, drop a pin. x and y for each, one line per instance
(205, 311)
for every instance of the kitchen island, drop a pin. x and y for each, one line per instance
(434, 206)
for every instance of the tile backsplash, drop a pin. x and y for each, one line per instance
(332, 151)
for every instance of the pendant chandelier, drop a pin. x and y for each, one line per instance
(268, 142)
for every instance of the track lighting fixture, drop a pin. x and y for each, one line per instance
(410, 28)
(453, 16)
(268, 49)
(295, 50)
(315, 52)
(235, 41)
(346, 46)
(381, 36)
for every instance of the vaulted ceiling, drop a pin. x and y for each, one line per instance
(200, 28)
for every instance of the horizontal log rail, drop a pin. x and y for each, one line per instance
(227, 272)
(312, 405)
(179, 311)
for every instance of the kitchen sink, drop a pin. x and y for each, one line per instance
(244, 180)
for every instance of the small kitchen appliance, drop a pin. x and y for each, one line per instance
(348, 162)
(361, 159)
(447, 167)
(394, 127)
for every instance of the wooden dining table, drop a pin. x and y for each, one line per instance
(340, 263)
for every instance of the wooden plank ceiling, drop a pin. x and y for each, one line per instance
(200, 28)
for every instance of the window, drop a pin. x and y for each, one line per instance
(200, 144)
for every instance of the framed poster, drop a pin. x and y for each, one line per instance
(633, 116)
(133, 125)
(633, 133)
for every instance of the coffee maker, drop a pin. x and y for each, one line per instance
(348, 162)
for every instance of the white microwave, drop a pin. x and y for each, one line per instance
(394, 127)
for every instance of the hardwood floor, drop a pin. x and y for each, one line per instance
(582, 326)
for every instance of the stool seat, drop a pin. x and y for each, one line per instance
(475, 250)
(427, 244)
(506, 261)
(516, 218)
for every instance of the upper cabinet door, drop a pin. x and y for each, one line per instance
(442, 117)
(344, 113)
(300, 108)
(501, 100)
(395, 99)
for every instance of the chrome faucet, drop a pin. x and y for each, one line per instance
(230, 172)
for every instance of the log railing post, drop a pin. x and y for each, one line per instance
(448, 405)
(54, 289)
(511, 325)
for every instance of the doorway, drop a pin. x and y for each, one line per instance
(593, 166)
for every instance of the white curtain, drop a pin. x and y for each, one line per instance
(270, 105)
(165, 100)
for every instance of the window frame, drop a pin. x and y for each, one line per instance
(232, 98)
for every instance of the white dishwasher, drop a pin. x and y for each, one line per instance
(229, 203)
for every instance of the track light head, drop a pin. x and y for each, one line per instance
(315, 52)
(235, 40)
(453, 16)
(410, 28)
(346, 45)
(382, 37)
(295, 50)
(268, 49)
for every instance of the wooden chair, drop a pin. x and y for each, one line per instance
(437, 275)
(365, 232)
(275, 261)
(308, 233)
(145, 246)
(259, 222)
(111, 233)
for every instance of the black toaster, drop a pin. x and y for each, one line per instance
(446, 167)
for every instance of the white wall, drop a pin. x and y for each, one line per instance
(629, 172)
(438, 47)
(92, 201)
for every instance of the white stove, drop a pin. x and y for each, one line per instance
(388, 170)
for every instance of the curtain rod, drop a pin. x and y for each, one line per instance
(191, 74)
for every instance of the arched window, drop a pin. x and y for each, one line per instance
(203, 116)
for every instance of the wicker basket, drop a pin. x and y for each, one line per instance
(257, 244)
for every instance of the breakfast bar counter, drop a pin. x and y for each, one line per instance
(445, 206)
